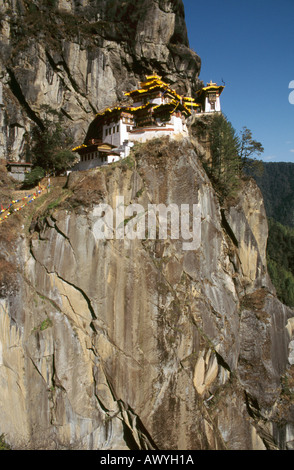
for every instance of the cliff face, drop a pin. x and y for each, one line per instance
(125, 344)
(78, 57)
(121, 343)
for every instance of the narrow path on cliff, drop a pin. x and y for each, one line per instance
(22, 198)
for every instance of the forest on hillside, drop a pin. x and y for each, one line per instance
(280, 260)
(276, 181)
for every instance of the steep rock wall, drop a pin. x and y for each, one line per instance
(125, 344)
(78, 57)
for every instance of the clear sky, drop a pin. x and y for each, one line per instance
(249, 44)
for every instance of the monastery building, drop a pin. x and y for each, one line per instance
(156, 110)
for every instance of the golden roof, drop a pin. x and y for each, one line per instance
(152, 83)
(79, 147)
(102, 146)
(154, 75)
(150, 79)
(190, 102)
(130, 109)
(175, 104)
(211, 87)
(109, 110)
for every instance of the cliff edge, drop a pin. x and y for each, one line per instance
(123, 343)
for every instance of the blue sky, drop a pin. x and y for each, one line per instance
(250, 46)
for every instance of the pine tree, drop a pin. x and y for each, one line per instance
(225, 162)
(249, 149)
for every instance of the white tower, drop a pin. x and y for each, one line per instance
(209, 97)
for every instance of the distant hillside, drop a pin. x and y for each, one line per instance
(277, 186)
(280, 260)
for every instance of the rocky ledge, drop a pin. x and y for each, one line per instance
(140, 344)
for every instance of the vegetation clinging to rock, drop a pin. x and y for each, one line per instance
(49, 146)
(227, 154)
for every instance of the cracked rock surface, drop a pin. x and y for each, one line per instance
(79, 57)
(139, 344)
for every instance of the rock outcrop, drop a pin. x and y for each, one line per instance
(78, 57)
(140, 344)
(129, 343)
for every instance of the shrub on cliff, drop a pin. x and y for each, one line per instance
(224, 165)
(49, 145)
(3, 444)
(228, 154)
(33, 177)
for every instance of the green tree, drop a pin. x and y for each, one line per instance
(33, 177)
(50, 144)
(249, 149)
(232, 154)
(224, 167)
(280, 256)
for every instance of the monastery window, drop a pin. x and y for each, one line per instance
(106, 132)
(113, 129)
(212, 97)
(103, 158)
(117, 128)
